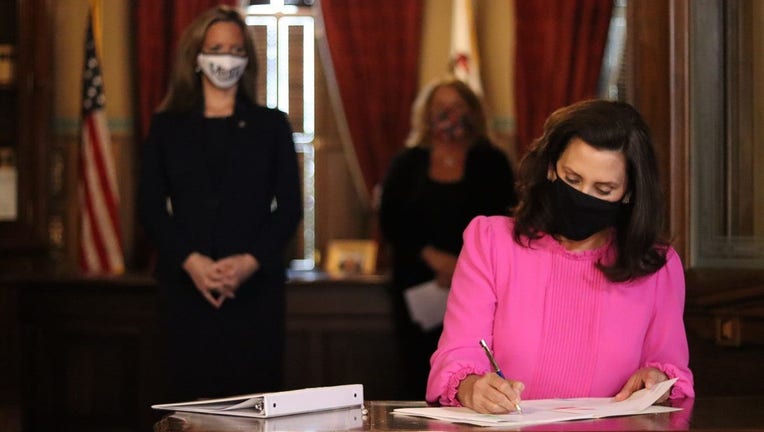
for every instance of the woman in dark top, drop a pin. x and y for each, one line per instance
(219, 195)
(449, 174)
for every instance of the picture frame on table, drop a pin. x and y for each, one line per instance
(350, 257)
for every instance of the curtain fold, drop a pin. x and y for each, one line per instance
(374, 49)
(560, 47)
(159, 24)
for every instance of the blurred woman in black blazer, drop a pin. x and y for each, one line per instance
(220, 197)
(449, 173)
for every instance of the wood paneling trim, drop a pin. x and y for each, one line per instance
(679, 143)
(649, 84)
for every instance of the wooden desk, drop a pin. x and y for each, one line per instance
(87, 347)
(726, 414)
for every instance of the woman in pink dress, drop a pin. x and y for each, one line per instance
(578, 293)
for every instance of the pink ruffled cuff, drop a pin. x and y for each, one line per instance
(449, 396)
(683, 387)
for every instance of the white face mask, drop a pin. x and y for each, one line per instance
(223, 70)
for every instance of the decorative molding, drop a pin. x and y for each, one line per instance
(504, 125)
(70, 126)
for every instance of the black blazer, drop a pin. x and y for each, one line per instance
(416, 211)
(254, 208)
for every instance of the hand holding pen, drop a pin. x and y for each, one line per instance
(498, 371)
(490, 393)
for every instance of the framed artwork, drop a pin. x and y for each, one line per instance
(351, 257)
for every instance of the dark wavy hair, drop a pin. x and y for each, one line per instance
(184, 92)
(605, 125)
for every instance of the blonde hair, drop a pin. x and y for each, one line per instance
(184, 91)
(421, 111)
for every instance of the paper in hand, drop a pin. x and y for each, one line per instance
(426, 304)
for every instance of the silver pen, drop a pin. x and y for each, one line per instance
(496, 368)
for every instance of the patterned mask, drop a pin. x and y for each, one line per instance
(223, 70)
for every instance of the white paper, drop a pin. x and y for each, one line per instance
(426, 304)
(543, 411)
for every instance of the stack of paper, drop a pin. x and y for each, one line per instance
(426, 304)
(554, 410)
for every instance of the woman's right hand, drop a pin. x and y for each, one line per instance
(490, 393)
(208, 278)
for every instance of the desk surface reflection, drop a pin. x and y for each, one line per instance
(708, 414)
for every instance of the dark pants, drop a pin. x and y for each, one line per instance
(415, 347)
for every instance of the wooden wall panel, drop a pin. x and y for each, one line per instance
(658, 94)
(89, 347)
(88, 355)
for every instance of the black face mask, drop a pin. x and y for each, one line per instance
(577, 216)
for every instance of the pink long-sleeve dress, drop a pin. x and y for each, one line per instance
(554, 321)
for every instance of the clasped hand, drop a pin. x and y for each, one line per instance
(492, 394)
(219, 280)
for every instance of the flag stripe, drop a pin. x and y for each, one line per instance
(88, 250)
(89, 257)
(100, 248)
(95, 250)
(105, 175)
(101, 207)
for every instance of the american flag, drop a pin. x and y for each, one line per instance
(465, 61)
(100, 239)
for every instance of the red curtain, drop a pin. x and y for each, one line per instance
(374, 47)
(560, 46)
(159, 24)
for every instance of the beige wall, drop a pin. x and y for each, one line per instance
(70, 21)
(494, 24)
(758, 114)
